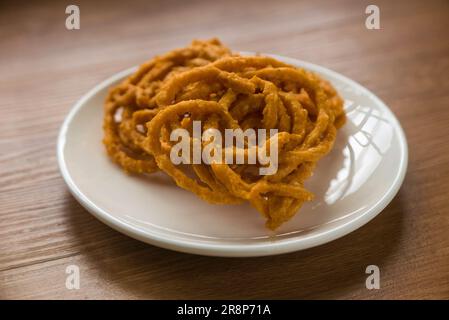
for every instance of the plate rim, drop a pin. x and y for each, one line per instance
(235, 250)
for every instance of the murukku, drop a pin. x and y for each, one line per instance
(130, 104)
(208, 84)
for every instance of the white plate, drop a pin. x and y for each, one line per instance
(352, 184)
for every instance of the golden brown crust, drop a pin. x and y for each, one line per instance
(224, 91)
(122, 137)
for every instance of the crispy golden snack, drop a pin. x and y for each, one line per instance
(229, 92)
(131, 104)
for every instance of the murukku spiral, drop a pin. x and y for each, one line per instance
(131, 104)
(206, 83)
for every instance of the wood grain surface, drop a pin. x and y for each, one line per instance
(45, 68)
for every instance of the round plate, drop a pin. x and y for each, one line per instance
(352, 184)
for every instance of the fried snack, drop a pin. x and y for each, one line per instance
(234, 92)
(131, 104)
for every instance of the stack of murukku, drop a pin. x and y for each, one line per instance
(206, 82)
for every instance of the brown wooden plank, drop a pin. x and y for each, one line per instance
(45, 69)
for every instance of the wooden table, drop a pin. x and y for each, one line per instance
(46, 68)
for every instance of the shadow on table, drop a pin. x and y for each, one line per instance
(333, 270)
